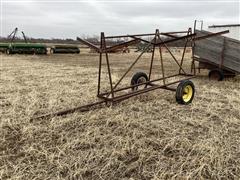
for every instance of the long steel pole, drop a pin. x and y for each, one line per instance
(184, 50)
(100, 65)
(162, 66)
(108, 65)
(153, 51)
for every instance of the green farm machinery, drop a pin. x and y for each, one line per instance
(22, 48)
(4, 47)
(26, 48)
(65, 49)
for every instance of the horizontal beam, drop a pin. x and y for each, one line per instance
(140, 39)
(149, 34)
(176, 39)
(123, 36)
(136, 85)
(135, 93)
(210, 35)
(169, 35)
(89, 44)
(122, 45)
(175, 32)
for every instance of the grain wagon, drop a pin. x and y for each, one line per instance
(219, 54)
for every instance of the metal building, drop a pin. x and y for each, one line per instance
(234, 30)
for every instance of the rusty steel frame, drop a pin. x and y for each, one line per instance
(156, 42)
(110, 97)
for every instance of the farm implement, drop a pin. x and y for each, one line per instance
(4, 47)
(26, 48)
(65, 49)
(220, 55)
(23, 48)
(142, 82)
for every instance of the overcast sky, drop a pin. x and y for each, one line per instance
(68, 19)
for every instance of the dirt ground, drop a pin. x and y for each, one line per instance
(146, 137)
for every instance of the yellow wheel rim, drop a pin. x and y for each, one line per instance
(187, 93)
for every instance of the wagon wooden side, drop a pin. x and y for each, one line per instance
(219, 54)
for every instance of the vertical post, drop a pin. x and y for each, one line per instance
(195, 24)
(100, 65)
(161, 60)
(150, 70)
(184, 50)
(193, 67)
(108, 65)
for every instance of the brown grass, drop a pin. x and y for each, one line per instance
(146, 137)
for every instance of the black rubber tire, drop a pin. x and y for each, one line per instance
(180, 92)
(216, 74)
(136, 78)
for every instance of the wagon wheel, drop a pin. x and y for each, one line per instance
(185, 92)
(51, 51)
(138, 78)
(7, 51)
(216, 74)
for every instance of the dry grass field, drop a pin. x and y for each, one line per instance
(146, 137)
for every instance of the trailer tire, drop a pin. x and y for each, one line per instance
(185, 92)
(138, 78)
(216, 74)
